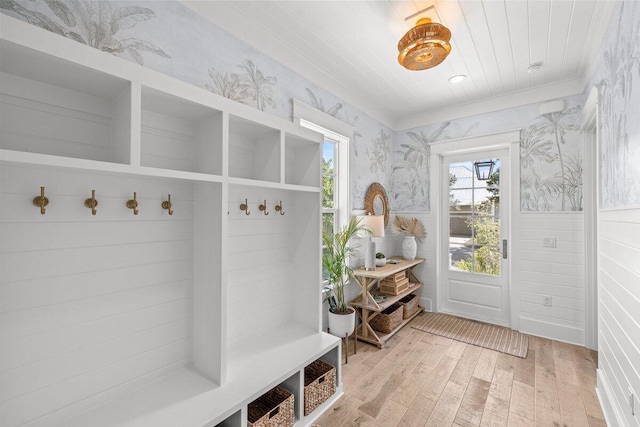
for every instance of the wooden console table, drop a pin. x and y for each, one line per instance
(367, 308)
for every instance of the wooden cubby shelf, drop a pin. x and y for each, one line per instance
(118, 319)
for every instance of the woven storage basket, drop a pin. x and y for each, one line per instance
(319, 384)
(272, 409)
(388, 319)
(409, 305)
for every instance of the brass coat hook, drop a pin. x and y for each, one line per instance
(92, 203)
(167, 205)
(263, 208)
(245, 207)
(279, 208)
(133, 204)
(41, 201)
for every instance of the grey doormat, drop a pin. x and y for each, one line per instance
(485, 335)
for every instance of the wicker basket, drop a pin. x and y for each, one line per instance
(272, 409)
(388, 319)
(319, 384)
(409, 305)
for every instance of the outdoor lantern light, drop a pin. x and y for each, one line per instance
(484, 169)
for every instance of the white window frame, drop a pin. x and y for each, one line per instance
(335, 130)
(335, 210)
(341, 172)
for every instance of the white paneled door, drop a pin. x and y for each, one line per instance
(475, 241)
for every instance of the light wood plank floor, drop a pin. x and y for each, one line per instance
(420, 379)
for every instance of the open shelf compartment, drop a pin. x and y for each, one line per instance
(179, 134)
(254, 150)
(302, 161)
(51, 106)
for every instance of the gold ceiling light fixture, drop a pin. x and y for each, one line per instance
(425, 45)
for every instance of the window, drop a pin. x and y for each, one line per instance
(335, 157)
(330, 206)
(335, 177)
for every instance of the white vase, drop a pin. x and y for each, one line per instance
(409, 248)
(342, 325)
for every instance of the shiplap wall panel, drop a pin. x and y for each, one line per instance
(552, 289)
(168, 142)
(259, 274)
(55, 369)
(103, 233)
(618, 311)
(425, 271)
(544, 278)
(34, 119)
(90, 305)
(556, 272)
(254, 156)
(54, 342)
(617, 314)
(569, 301)
(241, 152)
(110, 381)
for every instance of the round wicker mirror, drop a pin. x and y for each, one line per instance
(375, 201)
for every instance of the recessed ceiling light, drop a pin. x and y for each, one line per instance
(534, 67)
(457, 79)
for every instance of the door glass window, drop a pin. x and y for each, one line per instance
(474, 218)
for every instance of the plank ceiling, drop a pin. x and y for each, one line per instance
(350, 49)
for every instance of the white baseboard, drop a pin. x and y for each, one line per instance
(607, 403)
(554, 331)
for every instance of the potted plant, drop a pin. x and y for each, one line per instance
(411, 229)
(380, 259)
(335, 263)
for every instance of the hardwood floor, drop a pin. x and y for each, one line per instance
(420, 379)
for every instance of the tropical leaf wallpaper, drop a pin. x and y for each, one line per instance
(95, 23)
(618, 80)
(152, 33)
(550, 155)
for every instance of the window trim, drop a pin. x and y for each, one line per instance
(336, 130)
(342, 191)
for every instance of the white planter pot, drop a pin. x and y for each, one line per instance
(380, 262)
(409, 248)
(342, 325)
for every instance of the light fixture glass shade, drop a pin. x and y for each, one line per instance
(484, 169)
(424, 46)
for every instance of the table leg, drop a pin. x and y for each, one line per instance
(346, 348)
(355, 343)
(365, 323)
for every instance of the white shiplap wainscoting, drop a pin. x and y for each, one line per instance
(556, 272)
(619, 315)
(425, 271)
(90, 305)
(258, 260)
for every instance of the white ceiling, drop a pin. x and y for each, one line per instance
(350, 49)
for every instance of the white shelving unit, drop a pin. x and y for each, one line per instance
(149, 319)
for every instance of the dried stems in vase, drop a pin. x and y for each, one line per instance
(408, 227)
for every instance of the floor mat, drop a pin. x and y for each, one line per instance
(485, 335)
